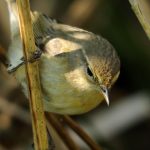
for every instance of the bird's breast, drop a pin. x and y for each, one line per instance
(65, 90)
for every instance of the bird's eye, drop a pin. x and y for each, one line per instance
(89, 72)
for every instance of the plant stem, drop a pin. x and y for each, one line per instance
(80, 132)
(62, 132)
(32, 74)
(141, 9)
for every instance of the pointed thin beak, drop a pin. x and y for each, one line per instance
(104, 91)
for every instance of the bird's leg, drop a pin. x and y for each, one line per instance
(12, 68)
(40, 43)
(35, 56)
(38, 52)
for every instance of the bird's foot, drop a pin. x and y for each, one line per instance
(12, 68)
(35, 56)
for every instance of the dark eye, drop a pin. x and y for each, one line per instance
(89, 72)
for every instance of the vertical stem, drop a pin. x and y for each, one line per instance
(141, 9)
(32, 74)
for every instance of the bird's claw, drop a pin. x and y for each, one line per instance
(11, 68)
(36, 55)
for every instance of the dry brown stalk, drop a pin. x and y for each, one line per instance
(32, 74)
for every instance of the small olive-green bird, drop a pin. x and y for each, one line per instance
(77, 67)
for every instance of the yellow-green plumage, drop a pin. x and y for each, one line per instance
(67, 53)
(65, 90)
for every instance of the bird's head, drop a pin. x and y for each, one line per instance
(103, 64)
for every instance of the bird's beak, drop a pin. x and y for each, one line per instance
(104, 91)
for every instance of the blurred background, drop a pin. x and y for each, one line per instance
(125, 124)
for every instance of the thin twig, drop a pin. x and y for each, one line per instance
(62, 132)
(57, 141)
(86, 138)
(32, 74)
(141, 9)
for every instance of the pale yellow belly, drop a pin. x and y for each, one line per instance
(64, 92)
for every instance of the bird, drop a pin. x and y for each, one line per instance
(77, 68)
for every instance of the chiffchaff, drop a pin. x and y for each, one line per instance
(76, 67)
